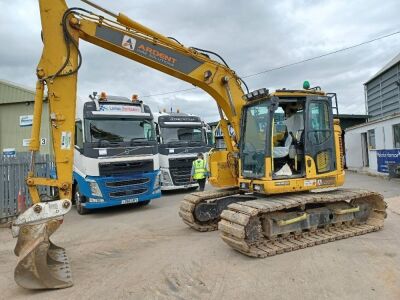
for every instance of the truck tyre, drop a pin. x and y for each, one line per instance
(79, 199)
(144, 203)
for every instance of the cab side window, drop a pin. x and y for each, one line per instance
(319, 123)
(78, 135)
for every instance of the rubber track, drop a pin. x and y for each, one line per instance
(243, 218)
(186, 210)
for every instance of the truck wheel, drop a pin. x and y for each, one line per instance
(78, 202)
(144, 203)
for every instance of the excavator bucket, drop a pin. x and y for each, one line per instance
(41, 264)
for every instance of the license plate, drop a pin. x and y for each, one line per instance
(129, 201)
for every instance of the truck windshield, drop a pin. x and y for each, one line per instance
(254, 140)
(119, 130)
(182, 134)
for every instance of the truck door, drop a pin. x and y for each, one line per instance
(319, 134)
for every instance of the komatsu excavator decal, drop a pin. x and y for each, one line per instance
(157, 53)
(326, 181)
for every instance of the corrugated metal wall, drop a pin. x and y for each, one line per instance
(16, 101)
(12, 93)
(383, 98)
(12, 134)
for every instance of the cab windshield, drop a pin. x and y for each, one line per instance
(124, 130)
(185, 135)
(253, 144)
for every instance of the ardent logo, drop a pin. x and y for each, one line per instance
(128, 42)
(155, 53)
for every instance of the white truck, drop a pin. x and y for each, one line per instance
(180, 137)
(116, 153)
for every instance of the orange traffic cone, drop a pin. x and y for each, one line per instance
(21, 205)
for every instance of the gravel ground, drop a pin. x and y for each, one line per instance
(148, 253)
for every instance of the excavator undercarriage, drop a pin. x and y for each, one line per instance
(261, 226)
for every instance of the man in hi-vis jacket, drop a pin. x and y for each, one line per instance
(199, 171)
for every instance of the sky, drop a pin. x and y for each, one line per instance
(251, 36)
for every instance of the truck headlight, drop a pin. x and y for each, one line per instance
(94, 189)
(157, 182)
(166, 178)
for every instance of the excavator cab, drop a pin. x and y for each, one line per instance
(287, 135)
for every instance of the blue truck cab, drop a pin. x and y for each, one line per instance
(116, 153)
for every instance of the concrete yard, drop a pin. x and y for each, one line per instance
(148, 253)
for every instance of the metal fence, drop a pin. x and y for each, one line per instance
(13, 171)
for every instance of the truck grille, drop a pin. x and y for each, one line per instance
(180, 169)
(125, 167)
(122, 183)
(180, 176)
(128, 192)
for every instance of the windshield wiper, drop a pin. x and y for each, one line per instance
(178, 142)
(127, 151)
(103, 143)
(139, 140)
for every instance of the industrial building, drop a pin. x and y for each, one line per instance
(382, 91)
(374, 147)
(16, 115)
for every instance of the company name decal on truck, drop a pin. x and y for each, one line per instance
(122, 108)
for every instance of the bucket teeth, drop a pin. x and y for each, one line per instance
(41, 264)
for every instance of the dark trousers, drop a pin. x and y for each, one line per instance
(202, 183)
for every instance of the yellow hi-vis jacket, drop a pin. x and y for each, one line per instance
(199, 169)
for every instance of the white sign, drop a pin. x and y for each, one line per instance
(9, 152)
(26, 142)
(119, 108)
(26, 120)
(102, 151)
(310, 182)
(65, 140)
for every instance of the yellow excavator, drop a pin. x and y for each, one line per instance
(284, 144)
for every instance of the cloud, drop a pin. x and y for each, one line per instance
(252, 36)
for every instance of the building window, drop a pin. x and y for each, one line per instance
(396, 135)
(371, 139)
